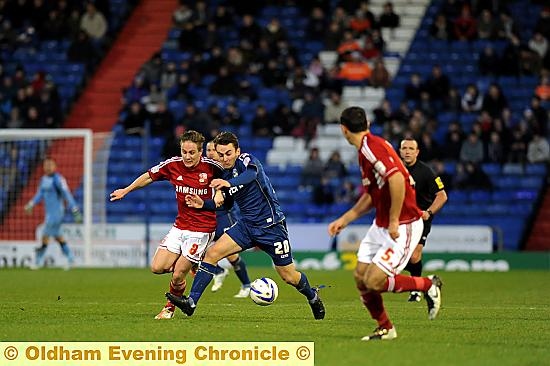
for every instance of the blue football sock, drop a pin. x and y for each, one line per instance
(304, 288)
(40, 253)
(202, 279)
(219, 269)
(67, 251)
(240, 270)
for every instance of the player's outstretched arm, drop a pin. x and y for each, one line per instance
(361, 207)
(219, 183)
(140, 182)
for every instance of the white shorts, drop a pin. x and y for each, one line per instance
(191, 244)
(391, 256)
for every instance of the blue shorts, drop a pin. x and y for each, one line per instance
(223, 222)
(52, 226)
(273, 240)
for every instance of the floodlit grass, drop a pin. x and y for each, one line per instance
(486, 319)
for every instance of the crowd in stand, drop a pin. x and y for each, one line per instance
(263, 57)
(498, 134)
(32, 100)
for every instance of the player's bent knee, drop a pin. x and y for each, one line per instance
(375, 283)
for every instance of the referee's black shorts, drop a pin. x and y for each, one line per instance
(425, 232)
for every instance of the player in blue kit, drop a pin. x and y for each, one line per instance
(54, 191)
(224, 220)
(262, 225)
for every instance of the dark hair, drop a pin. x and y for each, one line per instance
(226, 138)
(354, 119)
(193, 136)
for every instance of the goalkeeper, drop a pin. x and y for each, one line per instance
(54, 191)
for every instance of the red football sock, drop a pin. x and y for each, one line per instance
(375, 305)
(177, 289)
(401, 283)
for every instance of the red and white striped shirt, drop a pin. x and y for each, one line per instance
(186, 181)
(379, 161)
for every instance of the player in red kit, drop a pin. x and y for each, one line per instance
(396, 230)
(193, 230)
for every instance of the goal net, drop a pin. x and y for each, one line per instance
(22, 152)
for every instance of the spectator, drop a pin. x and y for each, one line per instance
(348, 193)
(370, 51)
(224, 83)
(182, 15)
(194, 119)
(333, 36)
(388, 18)
(494, 101)
(543, 90)
(317, 24)
(347, 47)
(355, 70)
(495, 149)
(172, 145)
(414, 88)
(262, 123)
(15, 120)
(517, 149)
(472, 149)
(312, 170)
(334, 107)
(169, 77)
(285, 120)
(441, 28)
(323, 192)
(54, 26)
(250, 30)
(83, 51)
(437, 85)
(93, 22)
(470, 176)
(334, 167)
(465, 26)
(162, 120)
(380, 77)
(486, 26)
(471, 100)
(232, 116)
(540, 115)
(538, 150)
(135, 119)
(189, 39)
(510, 60)
(539, 44)
(505, 26)
(273, 32)
(360, 23)
(223, 17)
(488, 62)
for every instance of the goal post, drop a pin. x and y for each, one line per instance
(21, 154)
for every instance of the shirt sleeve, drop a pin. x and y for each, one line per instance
(39, 195)
(65, 191)
(383, 161)
(160, 172)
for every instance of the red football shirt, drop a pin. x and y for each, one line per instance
(379, 161)
(186, 181)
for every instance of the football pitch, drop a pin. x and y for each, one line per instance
(486, 318)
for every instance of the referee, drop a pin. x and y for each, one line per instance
(430, 197)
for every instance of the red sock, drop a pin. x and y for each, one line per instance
(401, 283)
(374, 304)
(177, 289)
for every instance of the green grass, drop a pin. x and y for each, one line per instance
(486, 319)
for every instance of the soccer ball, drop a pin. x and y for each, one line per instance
(264, 291)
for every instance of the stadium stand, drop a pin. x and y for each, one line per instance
(276, 65)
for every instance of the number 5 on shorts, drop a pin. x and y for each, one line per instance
(387, 255)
